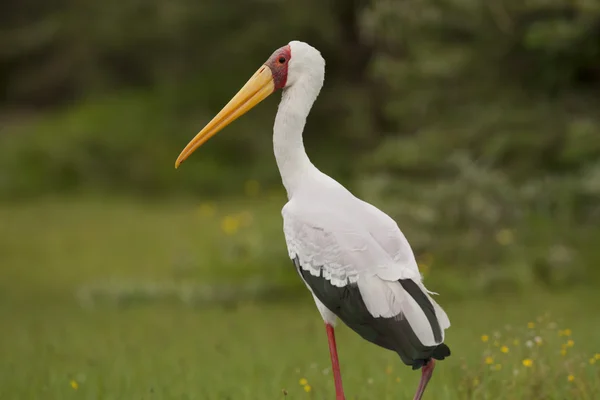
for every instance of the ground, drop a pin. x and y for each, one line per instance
(56, 343)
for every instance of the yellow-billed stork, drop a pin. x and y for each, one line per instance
(353, 258)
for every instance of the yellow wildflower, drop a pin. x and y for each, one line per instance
(252, 187)
(531, 325)
(307, 388)
(597, 356)
(570, 343)
(592, 361)
(570, 378)
(497, 367)
(489, 360)
(74, 384)
(567, 332)
(303, 381)
(485, 338)
(504, 349)
(563, 352)
(528, 362)
(398, 379)
(230, 225)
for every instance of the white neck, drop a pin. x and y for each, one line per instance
(296, 102)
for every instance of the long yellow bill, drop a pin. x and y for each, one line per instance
(258, 88)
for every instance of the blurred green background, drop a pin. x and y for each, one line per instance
(476, 125)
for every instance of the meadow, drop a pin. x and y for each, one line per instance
(473, 124)
(119, 299)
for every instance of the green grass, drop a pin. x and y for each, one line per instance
(157, 349)
(53, 246)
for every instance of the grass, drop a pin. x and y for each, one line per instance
(55, 347)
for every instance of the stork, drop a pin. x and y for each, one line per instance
(352, 257)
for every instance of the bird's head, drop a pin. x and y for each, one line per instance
(288, 65)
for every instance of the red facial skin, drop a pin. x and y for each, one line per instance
(278, 64)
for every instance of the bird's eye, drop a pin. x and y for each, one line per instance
(281, 60)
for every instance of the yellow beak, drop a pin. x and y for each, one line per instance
(258, 88)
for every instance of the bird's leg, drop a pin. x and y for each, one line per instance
(335, 364)
(426, 372)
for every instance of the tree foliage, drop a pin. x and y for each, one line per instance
(493, 132)
(515, 84)
(462, 118)
(132, 81)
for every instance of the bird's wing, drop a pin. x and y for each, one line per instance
(355, 245)
(389, 236)
(343, 242)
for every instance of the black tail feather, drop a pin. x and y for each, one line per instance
(417, 294)
(440, 352)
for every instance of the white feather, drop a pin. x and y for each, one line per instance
(328, 316)
(382, 298)
(419, 322)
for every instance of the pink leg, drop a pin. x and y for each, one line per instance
(426, 372)
(335, 364)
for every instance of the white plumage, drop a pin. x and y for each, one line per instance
(349, 241)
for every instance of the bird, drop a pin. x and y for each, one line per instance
(352, 257)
